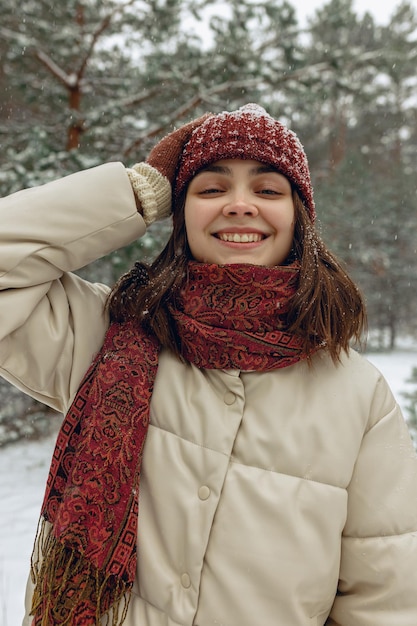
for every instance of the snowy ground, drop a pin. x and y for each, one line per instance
(23, 471)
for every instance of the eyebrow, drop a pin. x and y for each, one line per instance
(222, 169)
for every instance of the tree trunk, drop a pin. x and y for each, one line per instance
(76, 127)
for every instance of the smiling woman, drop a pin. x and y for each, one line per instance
(216, 416)
(239, 211)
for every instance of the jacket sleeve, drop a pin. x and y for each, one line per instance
(378, 570)
(51, 321)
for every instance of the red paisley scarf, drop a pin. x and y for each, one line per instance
(234, 316)
(84, 562)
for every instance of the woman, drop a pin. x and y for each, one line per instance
(227, 458)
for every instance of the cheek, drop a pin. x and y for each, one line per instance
(283, 220)
(196, 220)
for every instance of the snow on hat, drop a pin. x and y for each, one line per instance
(248, 133)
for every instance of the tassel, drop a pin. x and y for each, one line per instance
(71, 591)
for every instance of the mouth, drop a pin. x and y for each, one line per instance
(240, 237)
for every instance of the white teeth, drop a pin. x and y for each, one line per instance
(240, 238)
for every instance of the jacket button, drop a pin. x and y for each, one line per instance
(185, 580)
(229, 397)
(204, 492)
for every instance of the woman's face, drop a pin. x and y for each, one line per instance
(239, 211)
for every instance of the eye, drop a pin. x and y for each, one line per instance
(269, 192)
(210, 190)
(207, 184)
(272, 184)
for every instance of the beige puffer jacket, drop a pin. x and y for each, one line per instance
(286, 498)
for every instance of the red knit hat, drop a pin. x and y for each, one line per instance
(248, 133)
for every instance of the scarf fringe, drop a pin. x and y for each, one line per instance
(70, 590)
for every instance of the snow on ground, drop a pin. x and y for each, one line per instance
(23, 471)
(397, 368)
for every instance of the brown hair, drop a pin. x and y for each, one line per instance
(327, 309)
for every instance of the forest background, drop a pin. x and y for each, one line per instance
(89, 81)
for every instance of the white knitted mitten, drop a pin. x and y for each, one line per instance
(152, 191)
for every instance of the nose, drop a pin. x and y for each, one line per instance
(239, 207)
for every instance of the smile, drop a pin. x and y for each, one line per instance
(241, 237)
